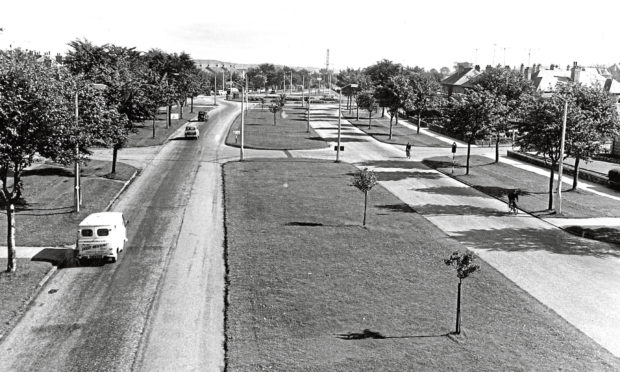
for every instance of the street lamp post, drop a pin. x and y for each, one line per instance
(77, 192)
(339, 116)
(558, 204)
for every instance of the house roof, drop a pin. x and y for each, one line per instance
(461, 77)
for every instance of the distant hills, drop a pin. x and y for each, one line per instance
(214, 63)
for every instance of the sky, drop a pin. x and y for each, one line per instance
(429, 34)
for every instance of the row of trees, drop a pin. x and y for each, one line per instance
(499, 100)
(111, 87)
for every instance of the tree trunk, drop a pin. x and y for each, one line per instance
(308, 125)
(192, 104)
(390, 127)
(552, 173)
(365, 205)
(382, 112)
(396, 118)
(419, 122)
(468, 154)
(169, 115)
(458, 310)
(576, 173)
(154, 124)
(357, 112)
(114, 157)
(497, 149)
(181, 104)
(11, 262)
(369, 119)
(274, 118)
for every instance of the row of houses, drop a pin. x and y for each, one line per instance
(544, 79)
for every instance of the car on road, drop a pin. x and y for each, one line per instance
(101, 236)
(191, 131)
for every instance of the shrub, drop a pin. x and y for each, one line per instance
(614, 177)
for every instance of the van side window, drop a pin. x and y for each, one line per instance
(103, 232)
(87, 232)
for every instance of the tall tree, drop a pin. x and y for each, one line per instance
(541, 131)
(472, 114)
(593, 121)
(122, 71)
(367, 101)
(515, 89)
(37, 116)
(380, 74)
(426, 94)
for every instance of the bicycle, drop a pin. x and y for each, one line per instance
(512, 207)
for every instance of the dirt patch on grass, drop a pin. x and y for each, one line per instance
(309, 288)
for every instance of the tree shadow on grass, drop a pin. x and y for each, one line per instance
(404, 208)
(530, 239)
(402, 163)
(450, 190)
(459, 210)
(602, 234)
(368, 334)
(399, 176)
(48, 171)
(438, 163)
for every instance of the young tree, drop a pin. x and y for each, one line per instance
(365, 180)
(368, 102)
(472, 114)
(464, 265)
(275, 108)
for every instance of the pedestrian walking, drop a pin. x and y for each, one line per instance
(408, 150)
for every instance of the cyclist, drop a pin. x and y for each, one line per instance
(513, 197)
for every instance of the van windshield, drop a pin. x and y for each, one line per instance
(87, 232)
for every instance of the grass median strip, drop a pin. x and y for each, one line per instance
(311, 289)
(289, 133)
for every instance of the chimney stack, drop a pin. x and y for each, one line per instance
(575, 72)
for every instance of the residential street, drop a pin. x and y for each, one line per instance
(161, 307)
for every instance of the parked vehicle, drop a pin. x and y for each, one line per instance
(191, 131)
(101, 235)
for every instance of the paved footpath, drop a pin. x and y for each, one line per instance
(577, 278)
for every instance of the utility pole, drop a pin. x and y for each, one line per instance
(327, 70)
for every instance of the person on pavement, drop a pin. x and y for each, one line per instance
(513, 197)
(408, 150)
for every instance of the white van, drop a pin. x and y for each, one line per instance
(101, 235)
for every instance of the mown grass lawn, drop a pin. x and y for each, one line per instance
(309, 288)
(17, 288)
(289, 133)
(47, 217)
(497, 179)
(380, 130)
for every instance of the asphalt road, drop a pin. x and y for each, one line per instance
(160, 307)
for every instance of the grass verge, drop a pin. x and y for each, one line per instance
(289, 133)
(16, 289)
(309, 288)
(497, 179)
(47, 218)
(380, 130)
